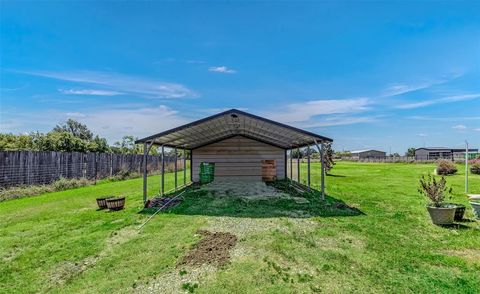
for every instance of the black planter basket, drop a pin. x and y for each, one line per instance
(117, 203)
(102, 202)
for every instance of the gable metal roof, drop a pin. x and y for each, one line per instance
(231, 123)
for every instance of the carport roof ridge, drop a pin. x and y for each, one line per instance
(233, 123)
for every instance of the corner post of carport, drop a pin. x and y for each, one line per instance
(298, 165)
(323, 170)
(175, 167)
(162, 188)
(322, 167)
(184, 167)
(291, 166)
(146, 150)
(308, 166)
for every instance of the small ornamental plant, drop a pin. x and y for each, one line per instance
(435, 191)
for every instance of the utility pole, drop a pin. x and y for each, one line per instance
(466, 166)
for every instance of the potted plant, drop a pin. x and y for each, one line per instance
(115, 203)
(476, 208)
(440, 212)
(102, 202)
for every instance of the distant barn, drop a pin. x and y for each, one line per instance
(433, 153)
(366, 154)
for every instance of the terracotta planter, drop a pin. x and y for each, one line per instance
(117, 203)
(442, 215)
(102, 202)
(476, 209)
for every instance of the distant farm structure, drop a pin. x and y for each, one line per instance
(367, 154)
(434, 153)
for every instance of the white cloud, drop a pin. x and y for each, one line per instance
(477, 129)
(399, 89)
(459, 127)
(222, 109)
(89, 92)
(337, 121)
(301, 112)
(448, 99)
(422, 135)
(403, 88)
(75, 114)
(111, 122)
(140, 122)
(222, 69)
(448, 118)
(116, 82)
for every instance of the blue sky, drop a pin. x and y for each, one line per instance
(369, 75)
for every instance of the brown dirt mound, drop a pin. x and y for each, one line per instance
(214, 248)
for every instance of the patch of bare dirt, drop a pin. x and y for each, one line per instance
(214, 248)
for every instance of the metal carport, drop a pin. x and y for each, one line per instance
(233, 123)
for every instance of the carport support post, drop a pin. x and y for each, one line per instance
(298, 165)
(162, 189)
(308, 166)
(323, 170)
(291, 166)
(176, 160)
(145, 151)
(184, 167)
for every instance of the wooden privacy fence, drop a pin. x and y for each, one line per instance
(37, 167)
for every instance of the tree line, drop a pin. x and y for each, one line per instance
(70, 136)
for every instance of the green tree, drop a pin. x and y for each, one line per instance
(75, 128)
(410, 152)
(127, 145)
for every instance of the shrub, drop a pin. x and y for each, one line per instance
(65, 184)
(59, 185)
(446, 167)
(434, 190)
(475, 166)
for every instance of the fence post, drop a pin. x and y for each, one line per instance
(111, 164)
(95, 167)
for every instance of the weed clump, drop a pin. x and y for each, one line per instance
(446, 167)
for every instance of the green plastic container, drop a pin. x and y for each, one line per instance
(207, 172)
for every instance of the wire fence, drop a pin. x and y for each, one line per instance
(20, 168)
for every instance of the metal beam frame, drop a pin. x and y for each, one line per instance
(184, 167)
(146, 150)
(308, 166)
(203, 130)
(298, 164)
(162, 188)
(322, 172)
(291, 165)
(175, 166)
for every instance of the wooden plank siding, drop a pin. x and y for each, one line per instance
(238, 158)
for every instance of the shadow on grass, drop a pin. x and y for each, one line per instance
(336, 176)
(201, 202)
(456, 227)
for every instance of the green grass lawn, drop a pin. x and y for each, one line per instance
(60, 243)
